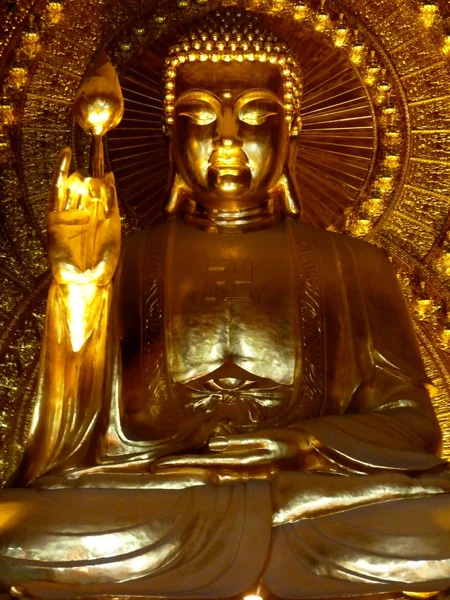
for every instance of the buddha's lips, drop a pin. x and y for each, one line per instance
(226, 163)
(237, 169)
(232, 159)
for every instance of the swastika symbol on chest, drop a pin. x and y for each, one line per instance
(229, 280)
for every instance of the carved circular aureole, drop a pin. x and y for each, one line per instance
(40, 87)
(337, 144)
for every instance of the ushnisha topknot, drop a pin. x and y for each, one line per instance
(228, 36)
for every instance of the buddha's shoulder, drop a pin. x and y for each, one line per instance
(330, 241)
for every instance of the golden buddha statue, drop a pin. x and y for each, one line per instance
(235, 401)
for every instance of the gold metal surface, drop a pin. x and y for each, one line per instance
(240, 359)
(221, 40)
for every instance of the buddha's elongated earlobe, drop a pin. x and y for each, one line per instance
(288, 196)
(296, 127)
(288, 192)
(178, 195)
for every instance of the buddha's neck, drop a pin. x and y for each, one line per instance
(215, 220)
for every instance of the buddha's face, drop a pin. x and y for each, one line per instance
(230, 136)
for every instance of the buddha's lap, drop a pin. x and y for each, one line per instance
(162, 537)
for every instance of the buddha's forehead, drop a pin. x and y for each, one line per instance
(235, 78)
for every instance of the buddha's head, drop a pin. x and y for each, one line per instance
(232, 97)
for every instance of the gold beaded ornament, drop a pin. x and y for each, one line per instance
(235, 36)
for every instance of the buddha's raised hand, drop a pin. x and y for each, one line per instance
(83, 226)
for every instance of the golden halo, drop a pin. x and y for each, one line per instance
(337, 145)
(403, 209)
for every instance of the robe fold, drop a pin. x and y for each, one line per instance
(371, 515)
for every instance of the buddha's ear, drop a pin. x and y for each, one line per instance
(289, 195)
(296, 127)
(177, 196)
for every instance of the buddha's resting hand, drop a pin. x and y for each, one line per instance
(83, 226)
(262, 449)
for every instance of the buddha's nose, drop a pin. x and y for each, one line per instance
(227, 132)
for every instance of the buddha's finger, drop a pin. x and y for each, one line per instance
(182, 461)
(111, 196)
(225, 459)
(77, 190)
(223, 443)
(94, 187)
(92, 196)
(57, 195)
(185, 476)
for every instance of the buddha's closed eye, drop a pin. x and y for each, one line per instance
(255, 113)
(199, 117)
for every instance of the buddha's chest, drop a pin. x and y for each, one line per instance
(219, 329)
(229, 303)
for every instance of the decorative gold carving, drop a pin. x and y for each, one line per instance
(429, 11)
(312, 327)
(43, 120)
(388, 191)
(18, 73)
(54, 11)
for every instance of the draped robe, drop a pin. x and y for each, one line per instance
(372, 513)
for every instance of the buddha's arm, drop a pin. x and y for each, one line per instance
(401, 436)
(388, 422)
(84, 246)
